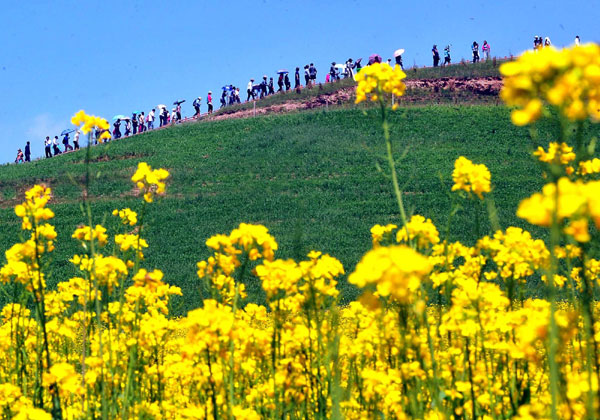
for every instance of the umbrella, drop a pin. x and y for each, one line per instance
(161, 106)
(374, 58)
(398, 52)
(126, 119)
(340, 66)
(358, 61)
(119, 117)
(179, 102)
(136, 112)
(67, 131)
(227, 87)
(282, 71)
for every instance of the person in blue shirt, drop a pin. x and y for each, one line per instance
(447, 59)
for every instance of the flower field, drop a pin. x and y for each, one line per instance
(442, 329)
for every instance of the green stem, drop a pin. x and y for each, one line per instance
(392, 163)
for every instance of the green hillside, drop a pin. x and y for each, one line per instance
(310, 177)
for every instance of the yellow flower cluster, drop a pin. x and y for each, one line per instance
(90, 122)
(516, 254)
(249, 242)
(577, 201)
(87, 234)
(150, 181)
(396, 270)
(561, 154)
(128, 216)
(24, 259)
(379, 78)
(470, 177)
(568, 79)
(588, 167)
(380, 233)
(34, 209)
(420, 230)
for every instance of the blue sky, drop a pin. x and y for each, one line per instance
(113, 57)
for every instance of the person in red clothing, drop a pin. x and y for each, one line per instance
(486, 50)
(209, 102)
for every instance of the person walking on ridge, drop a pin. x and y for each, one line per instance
(151, 120)
(349, 73)
(264, 87)
(333, 72)
(76, 140)
(436, 55)
(297, 79)
(163, 116)
(55, 146)
(47, 146)
(65, 142)
(475, 49)
(312, 70)
(28, 152)
(141, 123)
(286, 81)
(250, 90)
(306, 76)
(196, 105)
(486, 50)
(447, 59)
(117, 129)
(134, 122)
(209, 102)
(271, 87)
(19, 157)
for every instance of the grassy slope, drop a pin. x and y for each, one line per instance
(310, 177)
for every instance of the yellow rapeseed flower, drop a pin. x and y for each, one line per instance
(470, 177)
(568, 79)
(89, 122)
(396, 270)
(149, 181)
(379, 78)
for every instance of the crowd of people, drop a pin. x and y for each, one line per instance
(139, 122)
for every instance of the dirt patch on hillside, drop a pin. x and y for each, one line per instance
(484, 86)
(480, 86)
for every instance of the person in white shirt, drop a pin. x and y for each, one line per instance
(47, 146)
(55, 146)
(151, 120)
(250, 90)
(141, 123)
(173, 116)
(76, 140)
(577, 41)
